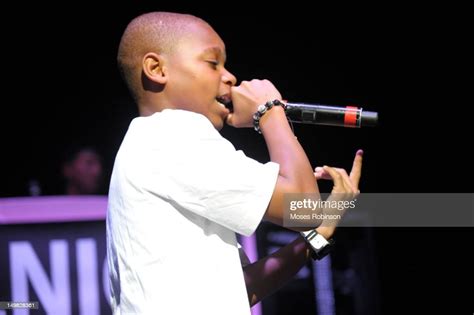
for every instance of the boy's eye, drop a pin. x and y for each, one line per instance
(214, 63)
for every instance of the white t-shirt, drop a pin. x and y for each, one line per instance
(179, 192)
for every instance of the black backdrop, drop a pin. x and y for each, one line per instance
(61, 85)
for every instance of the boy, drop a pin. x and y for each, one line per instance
(179, 191)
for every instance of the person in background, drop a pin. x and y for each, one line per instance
(82, 171)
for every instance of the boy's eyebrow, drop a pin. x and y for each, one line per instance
(216, 50)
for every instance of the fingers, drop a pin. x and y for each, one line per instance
(356, 170)
(343, 183)
(320, 173)
(247, 97)
(336, 177)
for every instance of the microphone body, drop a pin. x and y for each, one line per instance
(318, 114)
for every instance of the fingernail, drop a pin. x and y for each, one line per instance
(360, 152)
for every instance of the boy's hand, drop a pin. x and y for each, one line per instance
(346, 188)
(344, 184)
(247, 97)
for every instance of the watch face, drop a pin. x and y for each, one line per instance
(319, 242)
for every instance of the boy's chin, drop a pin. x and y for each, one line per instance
(218, 121)
(218, 124)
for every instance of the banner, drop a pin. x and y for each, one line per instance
(52, 251)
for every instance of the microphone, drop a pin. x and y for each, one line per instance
(318, 114)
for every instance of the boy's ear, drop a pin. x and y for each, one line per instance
(154, 68)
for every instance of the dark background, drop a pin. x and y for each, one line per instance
(61, 86)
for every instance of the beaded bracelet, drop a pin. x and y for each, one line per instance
(261, 110)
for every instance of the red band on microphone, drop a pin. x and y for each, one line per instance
(350, 116)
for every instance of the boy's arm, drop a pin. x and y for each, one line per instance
(270, 273)
(266, 275)
(295, 175)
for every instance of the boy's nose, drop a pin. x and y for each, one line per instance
(228, 78)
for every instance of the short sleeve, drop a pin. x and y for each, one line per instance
(203, 173)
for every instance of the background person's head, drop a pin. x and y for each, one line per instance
(171, 60)
(82, 171)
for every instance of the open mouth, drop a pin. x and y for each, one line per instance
(226, 101)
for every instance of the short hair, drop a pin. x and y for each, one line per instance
(159, 32)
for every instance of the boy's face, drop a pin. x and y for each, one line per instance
(197, 75)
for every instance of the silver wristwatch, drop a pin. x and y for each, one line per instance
(319, 245)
